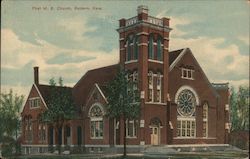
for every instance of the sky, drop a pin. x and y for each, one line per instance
(68, 38)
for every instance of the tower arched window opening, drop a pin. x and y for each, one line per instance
(136, 47)
(159, 49)
(150, 86)
(158, 87)
(151, 47)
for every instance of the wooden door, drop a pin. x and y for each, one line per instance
(154, 136)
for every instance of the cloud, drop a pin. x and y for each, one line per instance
(68, 57)
(72, 72)
(17, 53)
(220, 64)
(244, 39)
(18, 58)
(18, 89)
(175, 22)
(76, 26)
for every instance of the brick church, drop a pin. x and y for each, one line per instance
(179, 105)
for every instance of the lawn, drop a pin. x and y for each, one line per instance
(210, 155)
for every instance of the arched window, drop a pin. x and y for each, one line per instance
(28, 129)
(151, 47)
(205, 120)
(150, 86)
(158, 83)
(96, 114)
(186, 100)
(136, 47)
(41, 130)
(159, 48)
(135, 80)
(129, 44)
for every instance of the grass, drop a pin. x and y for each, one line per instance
(217, 155)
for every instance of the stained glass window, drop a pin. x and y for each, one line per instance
(186, 103)
(96, 111)
(96, 122)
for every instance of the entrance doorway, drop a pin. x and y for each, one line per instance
(155, 125)
(155, 136)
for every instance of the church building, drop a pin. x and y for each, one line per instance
(179, 105)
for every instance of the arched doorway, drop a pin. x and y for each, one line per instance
(155, 124)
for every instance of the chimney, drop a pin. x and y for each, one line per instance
(36, 75)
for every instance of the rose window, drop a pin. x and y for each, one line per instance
(186, 103)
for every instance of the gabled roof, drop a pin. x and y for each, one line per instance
(45, 90)
(179, 57)
(100, 76)
(173, 55)
(96, 88)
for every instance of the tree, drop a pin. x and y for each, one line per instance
(239, 102)
(10, 106)
(52, 82)
(60, 81)
(123, 100)
(233, 107)
(61, 107)
(243, 107)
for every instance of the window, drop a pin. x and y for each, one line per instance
(151, 47)
(129, 45)
(178, 128)
(136, 47)
(158, 91)
(186, 103)
(135, 80)
(79, 135)
(128, 57)
(96, 121)
(67, 134)
(150, 86)
(158, 95)
(42, 132)
(187, 73)
(159, 49)
(186, 100)
(28, 130)
(205, 120)
(34, 102)
(186, 128)
(131, 128)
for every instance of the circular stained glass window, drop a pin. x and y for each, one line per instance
(186, 103)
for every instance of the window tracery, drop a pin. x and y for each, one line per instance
(96, 121)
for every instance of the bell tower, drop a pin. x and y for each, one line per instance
(144, 44)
